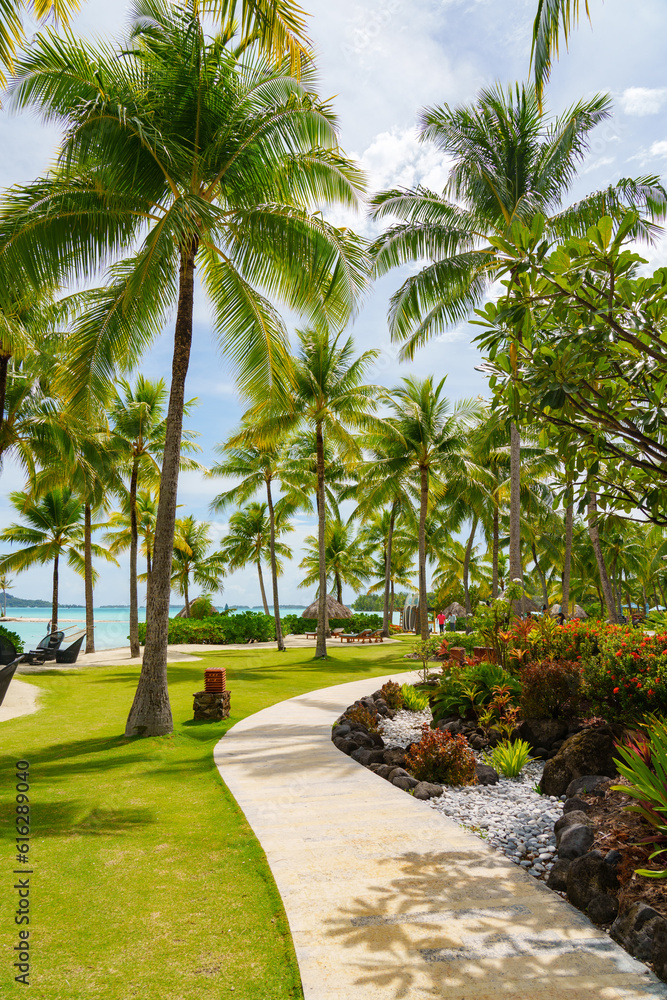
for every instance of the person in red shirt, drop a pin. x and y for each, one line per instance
(441, 621)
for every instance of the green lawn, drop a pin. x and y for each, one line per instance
(147, 880)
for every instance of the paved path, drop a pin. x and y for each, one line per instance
(385, 898)
(21, 699)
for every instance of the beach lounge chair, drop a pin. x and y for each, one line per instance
(48, 646)
(376, 636)
(356, 636)
(70, 653)
(7, 651)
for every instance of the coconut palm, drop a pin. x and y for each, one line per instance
(510, 163)
(346, 556)
(54, 526)
(192, 540)
(138, 433)
(119, 527)
(257, 466)
(249, 540)
(183, 150)
(6, 583)
(330, 400)
(552, 18)
(433, 435)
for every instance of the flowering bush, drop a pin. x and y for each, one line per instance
(360, 714)
(392, 694)
(549, 687)
(629, 676)
(441, 757)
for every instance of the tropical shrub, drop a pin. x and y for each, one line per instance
(392, 694)
(509, 758)
(13, 637)
(549, 688)
(296, 625)
(414, 700)
(362, 715)
(442, 758)
(219, 629)
(645, 767)
(628, 678)
(425, 650)
(470, 688)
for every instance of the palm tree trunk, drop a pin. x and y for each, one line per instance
(88, 579)
(496, 533)
(339, 589)
(466, 564)
(261, 586)
(599, 558)
(135, 649)
(54, 598)
(274, 568)
(423, 601)
(322, 623)
(516, 570)
(186, 595)
(150, 714)
(567, 558)
(387, 572)
(540, 573)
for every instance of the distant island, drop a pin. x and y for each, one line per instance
(21, 602)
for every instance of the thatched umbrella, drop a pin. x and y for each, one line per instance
(528, 604)
(456, 609)
(554, 610)
(334, 609)
(579, 612)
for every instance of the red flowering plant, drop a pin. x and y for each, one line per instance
(550, 688)
(628, 677)
(441, 757)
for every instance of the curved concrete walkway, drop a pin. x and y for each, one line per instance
(21, 699)
(387, 899)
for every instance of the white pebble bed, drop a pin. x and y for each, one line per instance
(510, 816)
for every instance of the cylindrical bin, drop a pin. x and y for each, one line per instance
(215, 680)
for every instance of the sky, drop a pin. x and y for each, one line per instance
(381, 62)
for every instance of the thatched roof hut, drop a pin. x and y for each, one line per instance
(579, 612)
(529, 604)
(455, 609)
(334, 609)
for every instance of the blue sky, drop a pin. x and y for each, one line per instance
(381, 62)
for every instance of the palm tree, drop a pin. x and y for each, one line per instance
(138, 431)
(258, 465)
(183, 150)
(552, 18)
(346, 557)
(330, 400)
(54, 527)
(433, 442)
(5, 585)
(510, 163)
(119, 527)
(192, 540)
(249, 540)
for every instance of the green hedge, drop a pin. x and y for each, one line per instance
(13, 637)
(219, 629)
(296, 625)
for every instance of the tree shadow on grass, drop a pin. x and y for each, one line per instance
(72, 817)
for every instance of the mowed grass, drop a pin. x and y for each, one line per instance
(148, 882)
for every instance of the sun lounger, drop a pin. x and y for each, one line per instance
(356, 636)
(70, 654)
(47, 647)
(8, 670)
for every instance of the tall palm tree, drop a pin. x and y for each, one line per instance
(510, 162)
(330, 400)
(119, 527)
(192, 540)
(5, 584)
(183, 150)
(346, 556)
(249, 541)
(54, 526)
(138, 433)
(432, 432)
(256, 465)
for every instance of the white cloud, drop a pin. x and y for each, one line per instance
(659, 148)
(643, 101)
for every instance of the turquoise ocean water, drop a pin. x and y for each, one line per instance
(111, 624)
